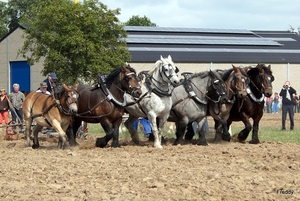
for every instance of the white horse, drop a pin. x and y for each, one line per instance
(155, 101)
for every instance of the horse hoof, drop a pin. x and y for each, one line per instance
(202, 143)
(73, 143)
(35, 146)
(136, 141)
(100, 142)
(158, 146)
(116, 145)
(226, 138)
(254, 141)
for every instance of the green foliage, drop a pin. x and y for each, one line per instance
(136, 20)
(16, 9)
(3, 27)
(78, 41)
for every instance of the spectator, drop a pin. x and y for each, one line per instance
(17, 98)
(275, 103)
(287, 93)
(296, 102)
(51, 81)
(269, 101)
(146, 126)
(4, 107)
(43, 88)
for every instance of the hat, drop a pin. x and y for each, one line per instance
(43, 84)
(53, 76)
(2, 89)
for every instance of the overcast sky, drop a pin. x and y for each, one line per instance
(218, 14)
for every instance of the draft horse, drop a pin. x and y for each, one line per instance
(190, 101)
(236, 81)
(50, 111)
(252, 105)
(105, 103)
(155, 102)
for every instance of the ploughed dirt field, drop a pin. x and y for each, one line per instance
(226, 171)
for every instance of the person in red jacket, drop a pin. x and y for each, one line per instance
(4, 107)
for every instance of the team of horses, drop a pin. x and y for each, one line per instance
(235, 94)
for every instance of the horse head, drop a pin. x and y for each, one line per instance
(217, 88)
(167, 70)
(268, 78)
(71, 98)
(261, 77)
(130, 81)
(240, 82)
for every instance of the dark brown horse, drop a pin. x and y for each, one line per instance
(252, 106)
(236, 81)
(50, 111)
(105, 103)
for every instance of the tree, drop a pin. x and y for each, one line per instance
(3, 27)
(136, 20)
(77, 40)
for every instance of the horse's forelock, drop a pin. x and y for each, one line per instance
(113, 75)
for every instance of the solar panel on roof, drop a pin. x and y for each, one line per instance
(216, 41)
(205, 50)
(174, 29)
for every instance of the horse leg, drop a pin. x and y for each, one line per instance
(243, 134)
(115, 142)
(218, 128)
(71, 132)
(28, 123)
(62, 141)
(202, 139)
(109, 132)
(133, 133)
(155, 130)
(255, 139)
(189, 132)
(225, 135)
(180, 128)
(36, 130)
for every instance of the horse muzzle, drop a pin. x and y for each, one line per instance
(268, 92)
(136, 93)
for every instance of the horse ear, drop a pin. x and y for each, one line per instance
(170, 58)
(234, 68)
(269, 67)
(76, 87)
(161, 58)
(65, 86)
(247, 68)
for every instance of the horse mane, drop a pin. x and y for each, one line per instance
(113, 75)
(225, 73)
(200, 74)
(156, 65)
(254, 71)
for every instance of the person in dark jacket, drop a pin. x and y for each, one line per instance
(287, 93)
(51, 81)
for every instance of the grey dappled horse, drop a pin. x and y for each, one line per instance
(190, 101)
(155, 102)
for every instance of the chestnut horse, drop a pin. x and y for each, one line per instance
(105, 103)
(50, 111)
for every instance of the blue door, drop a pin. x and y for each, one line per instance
(20, 73)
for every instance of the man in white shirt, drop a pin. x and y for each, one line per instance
(43, 88)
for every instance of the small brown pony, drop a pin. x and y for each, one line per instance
(50, 111)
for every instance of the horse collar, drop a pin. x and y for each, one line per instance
(253, 97)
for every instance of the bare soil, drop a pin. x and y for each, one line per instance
(226, 171)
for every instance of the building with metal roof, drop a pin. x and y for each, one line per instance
(192, 49)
